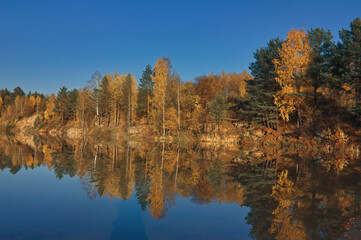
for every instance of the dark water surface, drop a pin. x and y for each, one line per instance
(55, 189)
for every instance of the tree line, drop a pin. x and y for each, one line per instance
(302, 80)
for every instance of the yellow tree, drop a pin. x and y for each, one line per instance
(160, 87)
(1, 105)
(156, 196)
(29, 106)
(171, 120)
(129, 101)
(49, 113)
(82, 107)
(37, 103)
(236, 83)
(284, 225)
(115, 85)
(289, 69)
(19, 104)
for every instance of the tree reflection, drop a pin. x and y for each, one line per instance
(290, 195)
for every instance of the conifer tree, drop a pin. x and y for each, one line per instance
(60, 103)
(349, 52)
(259, 105)
(145, 91)
(105, 98)
(65, 104)
(321, 52)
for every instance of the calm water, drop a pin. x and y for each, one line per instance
(55, 189)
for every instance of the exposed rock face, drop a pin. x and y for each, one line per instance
(54, 132)
(26, 124)
(258, 133)
(133, 130)
(74, 133)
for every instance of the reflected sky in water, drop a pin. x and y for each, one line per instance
(56, 189)
(35, 204)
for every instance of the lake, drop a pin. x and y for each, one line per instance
(58, 189)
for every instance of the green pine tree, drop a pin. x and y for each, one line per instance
(145, 93)
(259, 105)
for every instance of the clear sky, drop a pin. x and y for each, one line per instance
(47, 44)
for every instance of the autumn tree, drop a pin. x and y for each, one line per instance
(94, 85)
(290, 70)
(160, 79)
(208, 86)
(50, 105)
(5, 94)
(173, 95)
(190, 106)
(217, 108)
(284, 225)
(129, 102)
(1, 106)
(116, 96)
(29, 106)
(19, 104)
(156, 196)
(38, 103)
(83, 108)
(235, 83)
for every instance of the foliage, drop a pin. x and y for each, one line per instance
(217, 108)
(290, 68)
(160, 80)
(145, 89)
(259, 105)
(37, 122)
(306, 78)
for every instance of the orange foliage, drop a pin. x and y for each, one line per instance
(293, 62)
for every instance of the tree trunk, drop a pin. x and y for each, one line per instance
(164, 116)
(162, 162)
(148, 100)
(97, 111)
(357, 93)
(115, 114)
(96, 155)
(176, 172)
(299, 120)
(178, 103)
(129, 99)
(315, 94)
(82, 121)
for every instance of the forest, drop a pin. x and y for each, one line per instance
(282, 138)
(308, 82)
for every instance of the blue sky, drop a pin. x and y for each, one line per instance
(47, 44)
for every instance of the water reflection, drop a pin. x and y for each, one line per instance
(288, 196)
